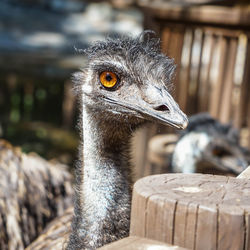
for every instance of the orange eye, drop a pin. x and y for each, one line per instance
(108, 79)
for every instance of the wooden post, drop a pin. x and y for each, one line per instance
(192, 210)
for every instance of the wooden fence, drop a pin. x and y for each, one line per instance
(211, 47)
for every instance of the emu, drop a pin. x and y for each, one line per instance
(125, 85)
(208, 146)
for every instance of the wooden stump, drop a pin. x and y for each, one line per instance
(193, 210)
(133, 243)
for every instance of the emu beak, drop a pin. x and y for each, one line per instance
(161, 105)
(232, 161)
(227, 164)
(155, 104)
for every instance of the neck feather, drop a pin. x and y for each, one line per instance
(102, 208)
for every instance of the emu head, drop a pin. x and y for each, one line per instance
(129, 80)
(208, 146)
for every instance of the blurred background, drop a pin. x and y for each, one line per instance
(209, 40)
(38, 54)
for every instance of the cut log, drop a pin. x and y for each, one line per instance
(192, 210)
(133, 243)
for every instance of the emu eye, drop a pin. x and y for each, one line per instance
(217, 151)
(108, 79)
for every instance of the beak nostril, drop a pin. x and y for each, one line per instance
(162, 108)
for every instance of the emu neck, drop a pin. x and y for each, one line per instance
(106, 162)
(103, 212)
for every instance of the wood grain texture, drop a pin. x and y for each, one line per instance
(173, 39)
(203, 96)
(185, 84)
(190, 227)
(192, 210)
(228, 81)
(230, 228)
(135, 243)
(206, 227)
(217, 88)
(245, 89)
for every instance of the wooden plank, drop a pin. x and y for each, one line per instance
(176, 43)
(175, 51)
(198, 79)
(138, 218)
(221, 31)
(160, 224)
(191, 224)
(247, 232)
(230, 228)
(165, 38)
(205, 88)
(229, 16)
(154, 222)
(248, 118)
(241, 111)
(183, 92)
(168, 215)
(180, 223)
(215, 98)
(228, 82)
(206, 227)
(195, 84)
(247, 91)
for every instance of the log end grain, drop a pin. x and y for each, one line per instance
(192, 210)
(135, 243)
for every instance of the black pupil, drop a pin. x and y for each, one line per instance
(108, 77)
